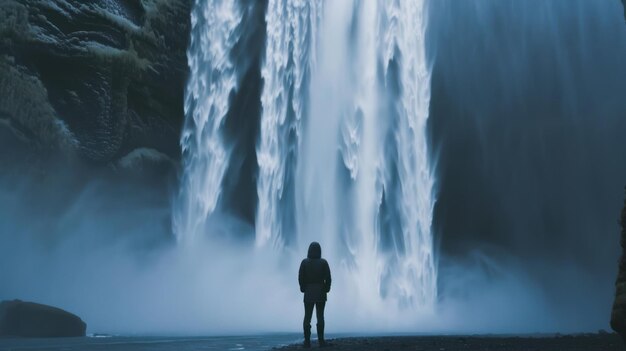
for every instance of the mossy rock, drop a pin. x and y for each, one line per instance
(95, 78)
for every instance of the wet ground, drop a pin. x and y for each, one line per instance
(291, 341)
(133, 343)
(584, 342)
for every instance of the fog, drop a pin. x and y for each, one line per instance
(105, 252)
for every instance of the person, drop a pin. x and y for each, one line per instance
(314, 279)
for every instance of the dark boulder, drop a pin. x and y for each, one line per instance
(618, 314)
(33, 320)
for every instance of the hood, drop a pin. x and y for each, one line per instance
(315, 250)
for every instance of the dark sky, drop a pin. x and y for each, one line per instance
(528, 127)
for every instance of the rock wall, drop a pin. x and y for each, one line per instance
(618, 314)
(97, 79)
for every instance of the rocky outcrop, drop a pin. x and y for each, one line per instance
(96, 78)
(618, 314)
(29, 319)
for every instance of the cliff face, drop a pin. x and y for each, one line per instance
(99, 79)
(618, 314)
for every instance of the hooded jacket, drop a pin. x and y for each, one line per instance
(314, 275)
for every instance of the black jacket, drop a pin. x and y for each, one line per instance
(314, 275)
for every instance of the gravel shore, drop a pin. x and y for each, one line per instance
(579, 342)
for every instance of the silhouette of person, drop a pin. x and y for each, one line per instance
(314, 280)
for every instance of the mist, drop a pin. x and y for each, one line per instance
(106, 253)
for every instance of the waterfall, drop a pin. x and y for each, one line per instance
(212, 78)
(364, 183)
(289, 27)
(342, 147)
(415, 277)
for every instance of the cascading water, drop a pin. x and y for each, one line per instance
(212, 77)
(364, 183)
(415, 277)
(290, 24)
(342, 151)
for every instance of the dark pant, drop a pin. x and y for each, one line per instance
(319, 312)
